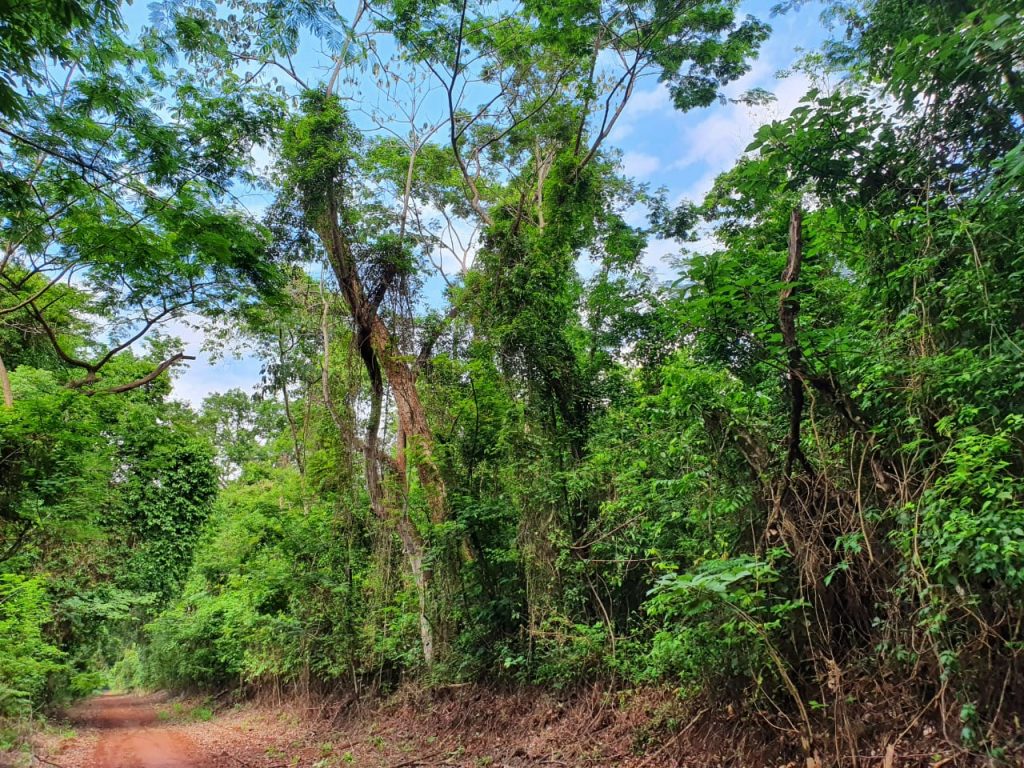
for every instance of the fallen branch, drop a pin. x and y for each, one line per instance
(417, 760)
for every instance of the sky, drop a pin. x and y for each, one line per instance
(680, 152)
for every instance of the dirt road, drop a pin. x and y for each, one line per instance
(129, 735)
(452, 727)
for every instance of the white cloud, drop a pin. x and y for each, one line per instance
(716, 140)
(636, 215)
(639, 165)
(719, 139)
(697, 189)
(657, 256)
(203, 377)
(642, 102)
(194, 380)
(704, 245)
(263, 157)
(657, 101)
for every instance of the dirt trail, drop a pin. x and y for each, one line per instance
(128, 735)
(454, 727)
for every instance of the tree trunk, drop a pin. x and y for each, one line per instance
(5, 385)
(412, 546)
(289, 416)
(789, 310)
(412, 419)
(432, 572)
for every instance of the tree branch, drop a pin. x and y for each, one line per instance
(789, 309)
(152, 375)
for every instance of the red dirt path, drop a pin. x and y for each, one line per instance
(128, 735)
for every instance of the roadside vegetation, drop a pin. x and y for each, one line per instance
(489, 446)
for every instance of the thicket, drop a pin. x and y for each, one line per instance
(790, 479)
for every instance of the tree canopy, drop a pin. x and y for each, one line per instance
(490, 442)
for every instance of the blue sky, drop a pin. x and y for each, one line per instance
(681, 152)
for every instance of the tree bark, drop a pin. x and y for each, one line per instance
(412, 419)
(293, 428)
(799, 374)
(383, 360)
(5, 385)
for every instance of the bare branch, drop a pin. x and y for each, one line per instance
(180, 357)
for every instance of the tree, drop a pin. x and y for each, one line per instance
(33, 33)
(101, 502)
(99, 192)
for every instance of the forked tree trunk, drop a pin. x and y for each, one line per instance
(383, 360)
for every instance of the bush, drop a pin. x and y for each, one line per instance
(128, 673)
(26, 659)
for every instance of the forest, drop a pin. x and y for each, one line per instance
(489, 444)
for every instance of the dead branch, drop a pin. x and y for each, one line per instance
(789, 310)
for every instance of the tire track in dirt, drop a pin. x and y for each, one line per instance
(130, 736)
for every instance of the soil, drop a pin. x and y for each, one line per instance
(125, 732)
(462, 726)
(457, 727)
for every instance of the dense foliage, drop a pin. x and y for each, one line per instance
(790, 479)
